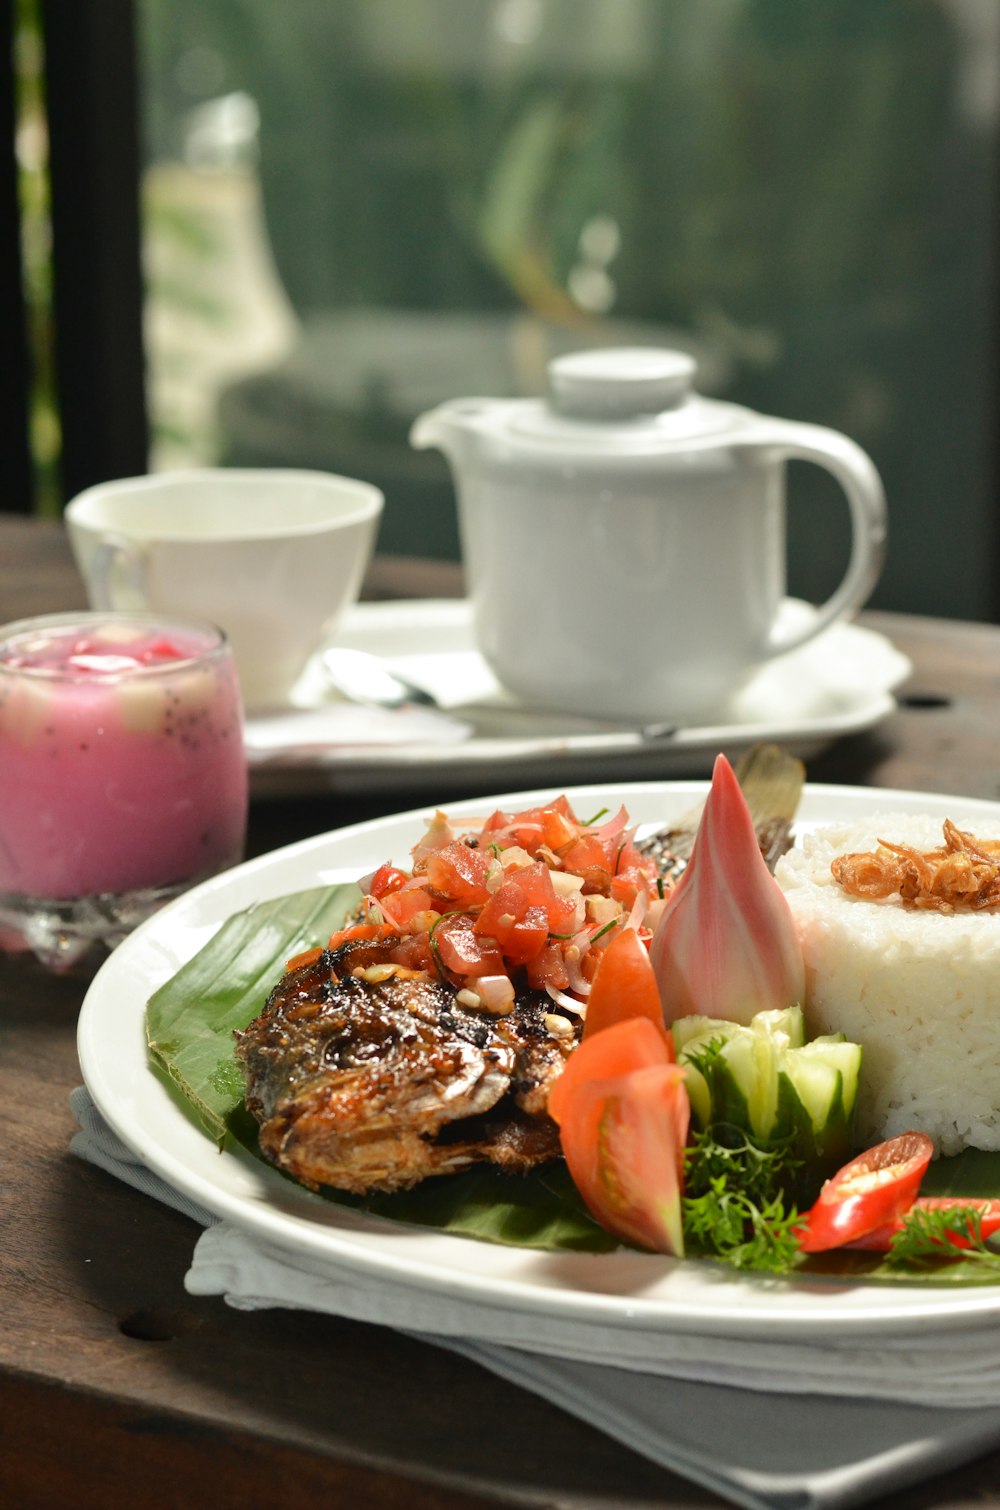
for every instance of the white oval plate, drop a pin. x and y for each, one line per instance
(626, 1291)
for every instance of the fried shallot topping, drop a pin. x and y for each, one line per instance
(962, 876)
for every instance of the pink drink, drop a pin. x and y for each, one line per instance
(121, 758)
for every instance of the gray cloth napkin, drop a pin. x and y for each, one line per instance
(758, 1446)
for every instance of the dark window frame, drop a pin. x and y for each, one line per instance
(92, 104)
(16, 473)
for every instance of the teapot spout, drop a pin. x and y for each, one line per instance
(429, 429)
(449, 425)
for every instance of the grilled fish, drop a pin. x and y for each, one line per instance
(366, 1076)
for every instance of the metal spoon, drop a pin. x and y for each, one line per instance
(363, 678)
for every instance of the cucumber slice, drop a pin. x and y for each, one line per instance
(766, 1080)
(822, 1074)
(825, 1077)
(686, 1030)
(787, 1026)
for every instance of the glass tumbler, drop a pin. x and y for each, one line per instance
(123, 779)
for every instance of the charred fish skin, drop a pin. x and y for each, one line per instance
(365, 1080)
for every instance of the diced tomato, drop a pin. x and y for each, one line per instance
(524, 829)
(459, 873)
(624, 986)
(464, 952)
(537, 881)
(359, 932)
(501, 912)
(880, 1239)
(495, 824)
(524, 911)
(633, 874)
(398, 907)
(559, 827)
(386, 880)
(871, 1191)
(528, 936)
(623, 1115)
(547, 968)
(537, 890)
(593, 858)
(414, 952)
(554, 825)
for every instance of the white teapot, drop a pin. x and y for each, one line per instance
(624, 539)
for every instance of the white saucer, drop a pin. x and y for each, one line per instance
(840, 683)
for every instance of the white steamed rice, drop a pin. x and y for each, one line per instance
(919, 990)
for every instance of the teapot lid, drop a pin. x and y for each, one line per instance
(619, 383)
(625, 399)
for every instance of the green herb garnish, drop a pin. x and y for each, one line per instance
(734, 1207)
(927, 1237)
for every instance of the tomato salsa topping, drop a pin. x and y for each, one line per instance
(535, 896)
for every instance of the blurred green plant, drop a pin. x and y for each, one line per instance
(36, 253)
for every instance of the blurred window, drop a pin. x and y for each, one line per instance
(356, 208)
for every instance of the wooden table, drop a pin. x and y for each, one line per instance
(117, 1388)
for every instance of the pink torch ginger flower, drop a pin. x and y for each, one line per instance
(726, 944)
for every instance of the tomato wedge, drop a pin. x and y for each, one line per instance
(621, 1145)
(630, 1045)
(624, 986)
(623, 1113)
(871, 1191)
(880, 1239)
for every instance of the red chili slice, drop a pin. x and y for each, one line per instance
(871, 1191)
(988, 1208)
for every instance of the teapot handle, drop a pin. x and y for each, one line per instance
(856, 473)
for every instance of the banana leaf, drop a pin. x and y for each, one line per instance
(190, 1020)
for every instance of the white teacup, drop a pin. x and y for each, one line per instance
(273, 557)
(624, 541)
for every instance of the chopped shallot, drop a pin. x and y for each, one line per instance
(438, 836)
(613, 827)
(567, 1002)
(496, 993)
(639, 909)
(577, 980)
